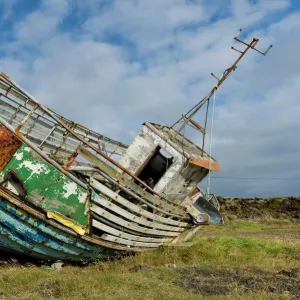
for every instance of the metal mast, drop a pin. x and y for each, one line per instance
(186, 119)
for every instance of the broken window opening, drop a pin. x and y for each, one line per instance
(156, 167)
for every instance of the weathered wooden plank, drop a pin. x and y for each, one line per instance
(205, 163)
(129, 205)
(127, 236)
(134, 218)
(177, 210)
(111, 238)
(133, 226)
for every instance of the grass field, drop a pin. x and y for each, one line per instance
(239, 260)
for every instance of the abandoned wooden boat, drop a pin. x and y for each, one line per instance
(64, 195)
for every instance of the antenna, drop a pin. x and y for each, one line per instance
(186, 119)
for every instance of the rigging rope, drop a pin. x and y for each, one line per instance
(210, 145)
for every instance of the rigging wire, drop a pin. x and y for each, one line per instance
(210, 144)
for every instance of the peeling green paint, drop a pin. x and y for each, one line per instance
(48, 188)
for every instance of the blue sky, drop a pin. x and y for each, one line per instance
(112, 65)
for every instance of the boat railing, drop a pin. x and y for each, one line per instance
(61, 141)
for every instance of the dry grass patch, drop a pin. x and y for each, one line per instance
(215, 267)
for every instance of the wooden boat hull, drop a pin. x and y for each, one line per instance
(62, 197)
(25, 234)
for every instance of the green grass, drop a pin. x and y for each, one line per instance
(113, 280)
(260, 224)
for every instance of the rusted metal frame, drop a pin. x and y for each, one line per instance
(108, 146)
(14, 115)
(42, 154)
(129, 205)
(50, 132)
(40, 124)
(104, 167)
(7, 85)
(31, 126)
(37, 140)
(71, 159)
(253, 46)
(99, 144)
(94, 134)
(63, 142)
(70, 142)
(130, 225)
(135, 218)
(197, 126)
(27, 118)
(41, 216)
(114, 150)
(127, 236)
(13, 108)
(53, 138)
(223, 78)
(48, 145)
(34, 137)
(25, 107)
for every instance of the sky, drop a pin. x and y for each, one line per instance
(111, 65)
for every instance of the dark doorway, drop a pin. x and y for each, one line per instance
(156, 167)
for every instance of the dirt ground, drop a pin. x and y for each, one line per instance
(224, 282)
(283, 283)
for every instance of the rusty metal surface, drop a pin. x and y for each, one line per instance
(9, 144)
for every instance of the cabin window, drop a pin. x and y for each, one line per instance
(156, 166)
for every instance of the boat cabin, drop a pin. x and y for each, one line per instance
(167, 161)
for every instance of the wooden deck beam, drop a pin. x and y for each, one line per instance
(205, 163)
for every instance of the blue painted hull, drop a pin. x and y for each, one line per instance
(27, 235)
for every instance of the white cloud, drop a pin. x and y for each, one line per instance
(42, 23)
